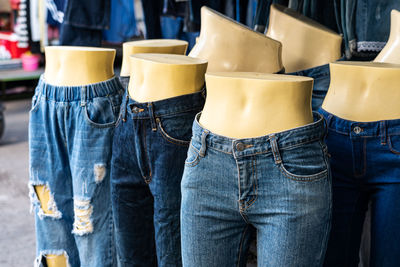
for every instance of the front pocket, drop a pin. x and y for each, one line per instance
(394, 144)
(176, 130)
(35, 102)
(192, 158)
(305, 162)
(100, 112)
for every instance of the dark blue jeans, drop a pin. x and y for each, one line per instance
(150, 146)
(365, 164)
(322, 79)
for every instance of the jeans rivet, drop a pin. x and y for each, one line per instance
(240, 146)
(357, 129)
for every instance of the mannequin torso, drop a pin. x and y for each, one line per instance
(162, 46)
(306, 43)
(364, 91)
(391, 52)
(161, 76)
(247, 105)
(74, 66)
(230, 46)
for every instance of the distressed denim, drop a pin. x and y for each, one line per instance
(279, 183)
(365, 162)
(70, 139)
(149, 151)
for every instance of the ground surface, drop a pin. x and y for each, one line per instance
(17, 236)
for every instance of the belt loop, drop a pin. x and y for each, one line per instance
(383, 132)
(275, 149)
(83, 96)
(125, 107)
(203, 148)
(152, 117)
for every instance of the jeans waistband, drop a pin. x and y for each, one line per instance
(361, 129)
(316, 72)
(202, 139)
(78, 93)
(163, 108)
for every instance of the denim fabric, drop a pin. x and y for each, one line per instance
(322, 79)
(70, 139)
(365, 25)
(122, 22)
(84, 22)
(149, 151)
(279, 183)
(152, 12)
(172, 28)
(365, 162)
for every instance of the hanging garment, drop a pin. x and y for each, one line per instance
(122, 22)
(70, 138)
(149, 151)
(84, 22)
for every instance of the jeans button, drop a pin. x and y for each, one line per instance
(240, 146)
(357, 129)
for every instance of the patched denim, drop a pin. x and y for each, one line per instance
(149, 151)
(70, 138)
(278, 183)
(365, 162)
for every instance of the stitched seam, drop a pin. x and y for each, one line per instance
(241, 244)
(162, 116)
(255, 186)
(147, 178)
(391, 148)
(170, 139)
(313, 177)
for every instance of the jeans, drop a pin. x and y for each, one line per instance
(149, 151)
(84, 22)
(365, 25)
(365, 166)
(70, 139)
(279, 183)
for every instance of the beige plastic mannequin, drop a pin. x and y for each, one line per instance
(306, 43)
(364, 91)
(230, 46)
(161, 46)
(160, 76)
(247, 105)
(73, 66)
(391, 52)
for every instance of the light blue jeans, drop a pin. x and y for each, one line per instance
(279, 183)
(70, 139)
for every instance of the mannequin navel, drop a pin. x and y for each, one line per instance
(74, 66)
(156, 77)
(247, 105)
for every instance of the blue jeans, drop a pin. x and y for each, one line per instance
(365, 162)
(149, 151)
(279, 183)
(70, 138)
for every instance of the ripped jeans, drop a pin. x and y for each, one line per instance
(70, 139)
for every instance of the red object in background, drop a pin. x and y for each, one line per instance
(9, 41)
(14, 4)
